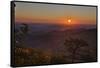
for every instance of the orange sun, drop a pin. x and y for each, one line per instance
(69, 21)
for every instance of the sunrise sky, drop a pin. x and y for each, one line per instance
(54, 14)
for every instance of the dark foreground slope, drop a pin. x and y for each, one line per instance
(48, 47)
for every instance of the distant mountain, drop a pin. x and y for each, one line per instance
(52, 27)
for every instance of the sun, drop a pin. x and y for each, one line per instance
(66, 21)
(69, 20)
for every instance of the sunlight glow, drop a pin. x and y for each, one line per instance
(69, 20)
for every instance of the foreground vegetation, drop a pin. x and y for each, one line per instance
(76, 51)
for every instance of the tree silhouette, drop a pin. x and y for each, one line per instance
(24, 28)
(73, 46)
(21, 34)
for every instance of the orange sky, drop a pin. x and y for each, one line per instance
(54, 14)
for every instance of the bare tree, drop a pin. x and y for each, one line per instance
(74, 45)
